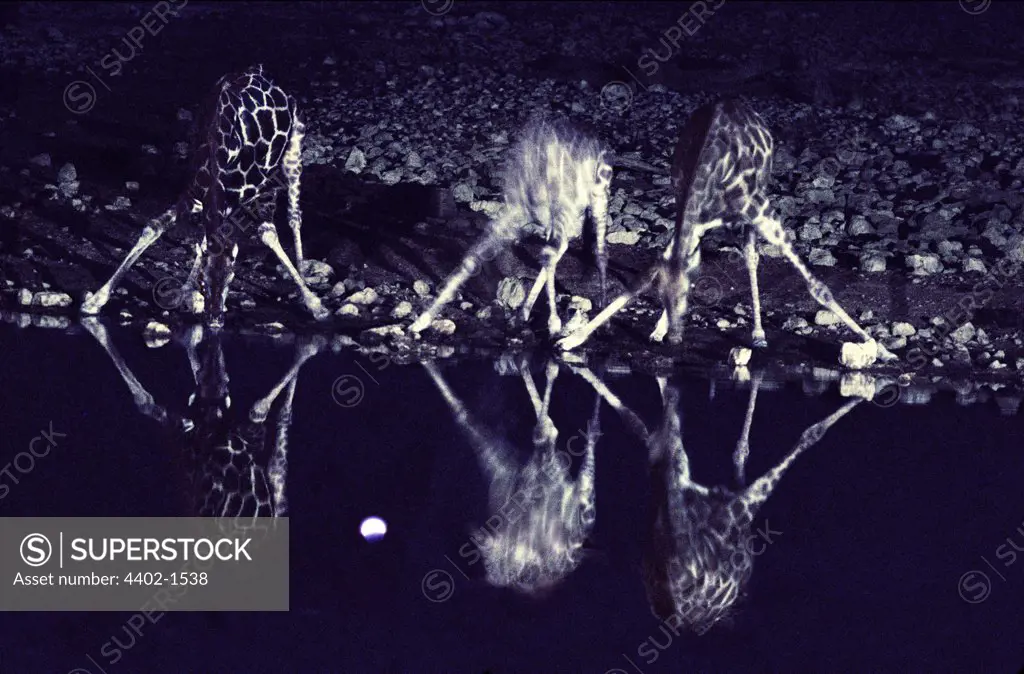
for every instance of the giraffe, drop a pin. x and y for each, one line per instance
(721, 172)
(554, 175)
(700, 552)
(236, 467)
(549, 515)
(247, 148)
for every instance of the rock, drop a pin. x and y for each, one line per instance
(950, 249)
(67, 173)
(51, 299)
(40, 160)
(810, 232)
(924, 264)
(463, 193)
(484, 314)
(421, 288)
(961, 356)
(392, 177)
(857, 385)
(338, 290)
(347, 310)
(974, 264)
(131, 186)
(902, 329)
(511, 293)
(963, 334)
(577, 303)
(623, 237)
(157, 329)
(859, 226)
(900, 123)
(356, 161)
(120, 204)
(821, 257)
(825, 318)
(24, 297)
(364, 297)
(820, 196)
(1014, 248)
(443, 326)
(794, 323)
(313, 271)
(858, 355)
(739, 356)
(872, 262)
(402, 310)
(413, 160)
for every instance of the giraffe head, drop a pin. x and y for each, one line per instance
(698, 561)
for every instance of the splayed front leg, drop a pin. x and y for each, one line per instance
(268, 235)
(757, 338)
(94, 302)
(771, 229)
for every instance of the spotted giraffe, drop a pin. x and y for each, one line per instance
(721, 172)
(544, 516)
(236, 466)
(554, 175)
(701, 549)
(247, 147)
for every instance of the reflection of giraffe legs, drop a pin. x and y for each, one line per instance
(310, 348)
(739, 457)
(495, 462)
(761, 489)
(544, 433)
(143, 399)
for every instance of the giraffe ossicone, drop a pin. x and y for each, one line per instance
(247, 148)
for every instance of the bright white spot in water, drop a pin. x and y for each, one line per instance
(373, 528)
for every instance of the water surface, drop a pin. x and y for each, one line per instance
(865, 556)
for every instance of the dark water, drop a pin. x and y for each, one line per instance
(859, 566)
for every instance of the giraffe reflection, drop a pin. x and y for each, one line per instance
(237, 465)
(543, 515)
(700, 549)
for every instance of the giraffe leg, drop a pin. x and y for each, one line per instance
(554, 256)
(260, 410)
(291, 164)
(642, 283)
(538, 285)
(502, 233)
(599, 214)
(769, 226)
(750, 254)
(150, 233)
(220, 271)
(192, 299)
(739, 457)
(268, 235)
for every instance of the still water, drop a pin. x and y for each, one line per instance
(541, 516)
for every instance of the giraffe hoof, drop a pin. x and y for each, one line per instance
(420, 324)
(759, 343)
(568, 343)
(92, 304)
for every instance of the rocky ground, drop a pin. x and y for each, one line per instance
(899, 167)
